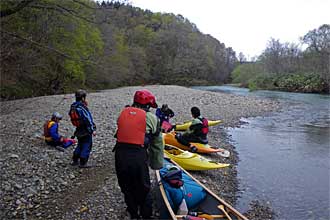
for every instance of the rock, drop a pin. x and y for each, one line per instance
(13, 156)
(18, 186)
(52, 188)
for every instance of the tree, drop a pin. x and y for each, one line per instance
(51, 44)
(241, 58)
(317, 55)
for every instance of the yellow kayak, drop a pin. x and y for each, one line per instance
(191, 161)
(186, 125)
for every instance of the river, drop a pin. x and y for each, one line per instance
(285, 157)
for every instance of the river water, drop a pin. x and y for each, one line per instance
(285, 157)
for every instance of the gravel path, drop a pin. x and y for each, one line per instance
(37, 181)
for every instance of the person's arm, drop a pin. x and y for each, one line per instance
(158, 112)
(88, 119)
(156, 149)
(53, 132)
(171, 113)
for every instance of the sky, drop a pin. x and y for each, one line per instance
(247, 25)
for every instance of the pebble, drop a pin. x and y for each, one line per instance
(48, 178)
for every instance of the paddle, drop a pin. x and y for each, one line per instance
(222, 208)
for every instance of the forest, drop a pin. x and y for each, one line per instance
(56, 46)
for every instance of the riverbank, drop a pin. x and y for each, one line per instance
(39, 183)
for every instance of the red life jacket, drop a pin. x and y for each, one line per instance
(74, 116)
(205, 128)
(132, 126)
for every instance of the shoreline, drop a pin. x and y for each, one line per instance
(39, 182)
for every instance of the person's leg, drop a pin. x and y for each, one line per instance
(56, 144)
(126, 171)
(67, 142)
(186, 140)
(144, 186)
(145, 202)
(181, 139)
(86, 148)
(76, 153)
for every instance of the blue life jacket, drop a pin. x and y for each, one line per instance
(191, 191)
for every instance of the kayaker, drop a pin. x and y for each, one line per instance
(164, 113)
(197, 131)
(52, 137)
(139, 143)
(82, 119)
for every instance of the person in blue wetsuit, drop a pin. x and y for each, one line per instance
(82, 119)
(52, 137)
(164, 113)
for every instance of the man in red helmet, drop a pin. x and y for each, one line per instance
(139, 143)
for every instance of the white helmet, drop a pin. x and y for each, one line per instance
(56, 115)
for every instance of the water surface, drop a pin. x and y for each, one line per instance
(285, 157)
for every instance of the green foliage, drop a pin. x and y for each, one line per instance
(53, 48)
(300, 82)
(246, 71)
(284, 66)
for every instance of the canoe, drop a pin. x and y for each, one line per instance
(186, 125)
(191, 161)
(210, 206)
(169, 138)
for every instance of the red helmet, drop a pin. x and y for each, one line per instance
(145, 97)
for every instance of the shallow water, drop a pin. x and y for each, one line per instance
(285, 157)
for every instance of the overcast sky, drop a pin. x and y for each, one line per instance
(247, 25)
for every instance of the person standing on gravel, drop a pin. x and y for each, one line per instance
(82, 119)
(138, 140)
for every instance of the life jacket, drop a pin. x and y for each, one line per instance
(75, 118)
(47, 126)
(205, 123)
(132, 126)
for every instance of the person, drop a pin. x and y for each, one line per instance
(51, 135)
(82, 119)
(197, 131)
(164, 113)
(139, 143)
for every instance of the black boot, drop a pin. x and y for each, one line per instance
(75, 159)
(83, 163)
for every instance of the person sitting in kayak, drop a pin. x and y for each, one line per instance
(164, 114)
(52, 136)
(197, 131)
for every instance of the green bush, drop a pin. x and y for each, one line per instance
(298, 82)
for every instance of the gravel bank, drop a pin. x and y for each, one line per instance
(37, 181)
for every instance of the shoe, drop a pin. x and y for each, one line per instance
(85, 165)
(74, 163)
(59, 148)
